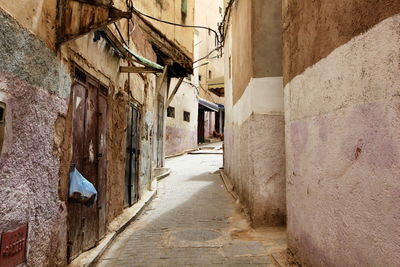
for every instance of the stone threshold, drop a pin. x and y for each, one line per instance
(161, 173)
(188, 151)
(117, 226)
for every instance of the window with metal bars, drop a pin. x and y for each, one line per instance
(186, 116)
(171, 112)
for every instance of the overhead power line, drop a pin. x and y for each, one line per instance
(133, 9)
(225, 20)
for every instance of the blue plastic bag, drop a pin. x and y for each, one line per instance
(80, 189)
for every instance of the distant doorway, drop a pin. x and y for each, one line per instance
(200, 127)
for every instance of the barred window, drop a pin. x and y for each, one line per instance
(171, 112)
(186, 116)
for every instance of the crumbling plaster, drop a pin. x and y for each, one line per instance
(30, 183)
(35, 87)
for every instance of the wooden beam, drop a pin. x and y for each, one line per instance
(166, 46)
(175, 91)
(132, 69)
(80, 17)
(104, 3)
(163, 78)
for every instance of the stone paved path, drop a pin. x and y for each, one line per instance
(191, 223)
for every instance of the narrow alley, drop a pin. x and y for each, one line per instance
(193, 221)
(199, 133)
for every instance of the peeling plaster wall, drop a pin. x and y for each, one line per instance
(342, 133)
(170, 10)
(35, 84)
(35, 87)
(38, 16)
(100, 61)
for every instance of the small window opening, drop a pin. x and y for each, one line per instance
(171, 112)
(186, 116)
(220, 10)
(184, 10)
(209, 74)
(230, 67)
(2, 123)
(199, 77)
(80, 75)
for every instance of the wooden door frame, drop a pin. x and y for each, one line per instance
(138, 107)
(90, 80)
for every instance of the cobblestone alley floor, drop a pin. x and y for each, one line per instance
(194, 221)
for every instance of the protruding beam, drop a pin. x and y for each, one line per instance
(175, 91)
(163, 79)
(105, 3)
(132, 69)
(80, 17)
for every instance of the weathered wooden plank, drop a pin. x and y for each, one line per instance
(81, 17)
(96, 2)
(175, 91)
(132, 69)
(163, 78)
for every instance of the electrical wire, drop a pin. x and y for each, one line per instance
(120, 34)
(133, 9)
(225, 20)
(209, 54)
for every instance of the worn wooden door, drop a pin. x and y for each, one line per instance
(160, 133)
(90, 167)
(102, 156)
(86, 225)
(132, 156)
(78, 132)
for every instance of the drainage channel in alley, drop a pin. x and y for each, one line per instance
(194, 221)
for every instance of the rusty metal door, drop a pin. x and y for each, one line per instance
(86, 225)
(132, 156)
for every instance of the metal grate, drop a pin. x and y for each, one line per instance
(186, 116)
(80, 75)
(103, 90)
(171, 112)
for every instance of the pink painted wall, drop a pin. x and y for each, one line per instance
(178, 140)
(343, 148)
